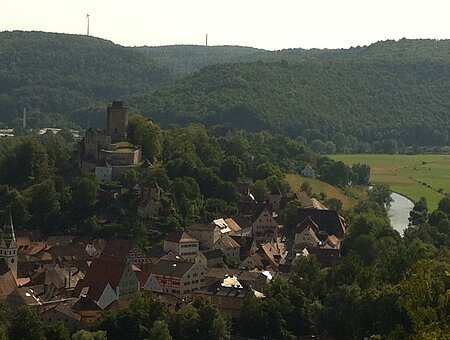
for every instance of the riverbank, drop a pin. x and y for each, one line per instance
(413, 176)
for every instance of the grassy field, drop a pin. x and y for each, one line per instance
(295, 181)
(410, 175)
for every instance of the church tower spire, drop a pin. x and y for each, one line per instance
(8, 244)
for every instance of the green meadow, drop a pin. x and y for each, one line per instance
(413, 176)
(348, 199)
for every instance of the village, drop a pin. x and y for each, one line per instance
(74, 279)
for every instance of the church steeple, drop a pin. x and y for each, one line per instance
(8, 234)
(8, 244)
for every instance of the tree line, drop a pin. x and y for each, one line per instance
(195, 167)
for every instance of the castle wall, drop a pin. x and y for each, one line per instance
(120, 157)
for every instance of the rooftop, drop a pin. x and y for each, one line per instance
(170, 268)
(180, 237)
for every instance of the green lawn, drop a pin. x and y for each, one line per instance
(407, 173)
(295, 181)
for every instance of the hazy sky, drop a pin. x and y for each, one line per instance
(257, 23)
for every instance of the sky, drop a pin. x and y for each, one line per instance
(271, 25)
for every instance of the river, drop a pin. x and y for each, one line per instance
(399, 212)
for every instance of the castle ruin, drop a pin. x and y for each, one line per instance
(108, 152)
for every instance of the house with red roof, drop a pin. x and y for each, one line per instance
(108, 279)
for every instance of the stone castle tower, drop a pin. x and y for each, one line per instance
(8, 245)
(117, 121)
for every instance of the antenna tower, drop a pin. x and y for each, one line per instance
(87, 17)
(206, 39)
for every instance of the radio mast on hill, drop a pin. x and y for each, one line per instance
(207, 40)
(87, 17)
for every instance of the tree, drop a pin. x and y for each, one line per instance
(306, 187)
(56, 331)
(265, 170)
(144, 132)
(44, 206)
(317, 145)
(424, 296)
(419, 214)
(337, 174)
(333, 204)
(277, 185)
(329, 148)
(305, 275)
(86, 335)
(361, 173)
(130, 178)
(259, 190)
(212, 324)
(26, 325)
(381, 194)
(341, 313)
(184, 323)
(160, 331)
(84, 194)
(444, 205)
(135, 320)
(231, 169)
(28, 161)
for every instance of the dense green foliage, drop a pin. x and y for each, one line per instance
(39, 179)
(148, 317)
(185, 59)
(65, 74)
(381, 97)
(335, 105)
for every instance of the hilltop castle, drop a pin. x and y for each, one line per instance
(108, 152)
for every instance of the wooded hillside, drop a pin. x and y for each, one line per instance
(352, 101)
(62, 73)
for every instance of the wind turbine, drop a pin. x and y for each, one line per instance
(87, 17)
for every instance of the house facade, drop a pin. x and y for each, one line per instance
(210, 258)
(206, 234)
(265, 226)
(182, 244)
(229, 247)
(108, 279)
(125, 249)
(228, 295)
(180, 278)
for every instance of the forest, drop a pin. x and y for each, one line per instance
(389, 97)
(335, 105)
(69, 76)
